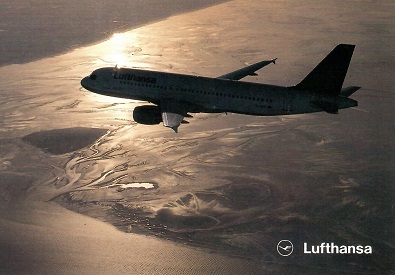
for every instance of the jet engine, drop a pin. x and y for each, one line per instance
(148, 115)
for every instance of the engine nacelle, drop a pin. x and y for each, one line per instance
(148, 115)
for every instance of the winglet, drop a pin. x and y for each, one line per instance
(172, 120)
(173, 113)
(175, 128)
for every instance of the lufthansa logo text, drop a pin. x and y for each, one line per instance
(331, 248)
(136, 78)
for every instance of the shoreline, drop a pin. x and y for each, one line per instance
(70, 237)
(37, 39)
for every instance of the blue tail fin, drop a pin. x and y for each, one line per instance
(328, 76)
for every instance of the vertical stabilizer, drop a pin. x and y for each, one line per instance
(328, 76)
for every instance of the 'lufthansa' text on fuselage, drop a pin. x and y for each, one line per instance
(136, 78)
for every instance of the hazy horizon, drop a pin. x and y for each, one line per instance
(33, 31)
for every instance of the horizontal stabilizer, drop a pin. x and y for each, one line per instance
(346, 92)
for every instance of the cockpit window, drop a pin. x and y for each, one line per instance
(93, 77)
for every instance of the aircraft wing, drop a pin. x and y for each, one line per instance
(173, 113)
(249, 70)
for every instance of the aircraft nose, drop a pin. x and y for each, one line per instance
(85, 82)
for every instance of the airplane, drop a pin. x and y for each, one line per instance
(176, 95)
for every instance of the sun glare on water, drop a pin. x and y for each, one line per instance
(117, 46)
(118, 50)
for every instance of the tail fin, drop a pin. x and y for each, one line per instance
(328, 76)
